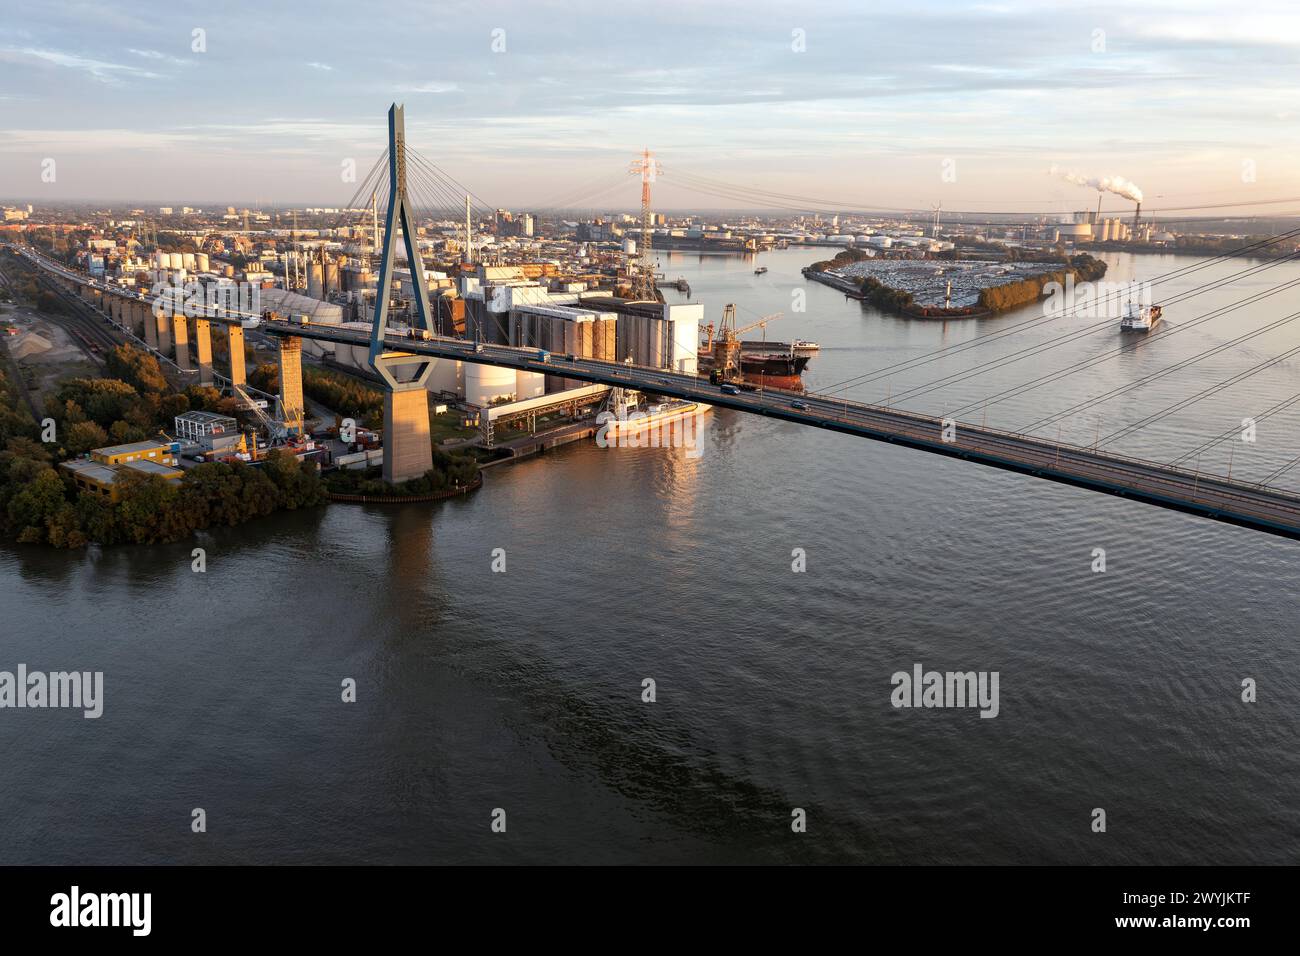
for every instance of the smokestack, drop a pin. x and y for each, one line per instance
(1137, 215)
(1097, 217)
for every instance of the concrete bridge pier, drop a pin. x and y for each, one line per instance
(291, 400)
(235, 343)
(203, 349)
(408, 452)
(181, 339)
(162, 323)
(150, 320)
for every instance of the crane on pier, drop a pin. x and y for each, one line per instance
(724, 346)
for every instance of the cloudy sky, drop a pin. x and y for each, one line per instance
(888, 104)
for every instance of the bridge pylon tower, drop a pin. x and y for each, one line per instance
(407, 449)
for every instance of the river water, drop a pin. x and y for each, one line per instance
(522, 691)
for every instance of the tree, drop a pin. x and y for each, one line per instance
(297, 482)
(137, 368)
(36, 504)
(81, 437)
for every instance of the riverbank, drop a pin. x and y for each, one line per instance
(458, 491)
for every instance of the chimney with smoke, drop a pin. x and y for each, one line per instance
(1104, 184)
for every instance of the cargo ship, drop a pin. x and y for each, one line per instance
(1140, 318)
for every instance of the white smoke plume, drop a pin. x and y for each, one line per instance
(1106, 184)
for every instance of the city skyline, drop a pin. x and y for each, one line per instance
(969, 106)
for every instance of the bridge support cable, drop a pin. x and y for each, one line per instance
(1154, 376)
(950, 350)
(1193, 399)
(1235, 431)
(1035, 350)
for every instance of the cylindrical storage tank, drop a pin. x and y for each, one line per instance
(331, 277)
(187, 260)
(201, 261)
(176, 261)
(314, 281)
(447, 376)
(345, 352)
(161, 260)
(483, 383)
(529, 385)
(228, 271)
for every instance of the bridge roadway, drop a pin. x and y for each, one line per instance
(1251, 506)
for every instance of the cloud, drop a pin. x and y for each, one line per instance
(433, 86)
(321, 66)
(161, 57)
(99, 69)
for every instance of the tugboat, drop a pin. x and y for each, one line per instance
(1140, 318)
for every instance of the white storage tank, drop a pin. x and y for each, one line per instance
(448, 375)
(353, 356)
(187, 260)
(529, 385)
(176, 261)
(201, 261)
(483, 383)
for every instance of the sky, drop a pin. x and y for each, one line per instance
(534, 104)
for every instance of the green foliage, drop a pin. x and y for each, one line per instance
(1009, 295)
(100, 400)
(40, 505)
(81, 437)
(448, 472)
(137, 368)
(15, 421)
(342, 394)
(266, 378)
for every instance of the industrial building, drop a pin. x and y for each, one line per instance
(196, 425)
(101, 473)
(136, 451)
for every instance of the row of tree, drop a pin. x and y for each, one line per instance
(40, 506)
(1083, 267)
(448, 472)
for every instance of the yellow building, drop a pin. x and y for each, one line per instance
(101, 473)
(136, 451)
